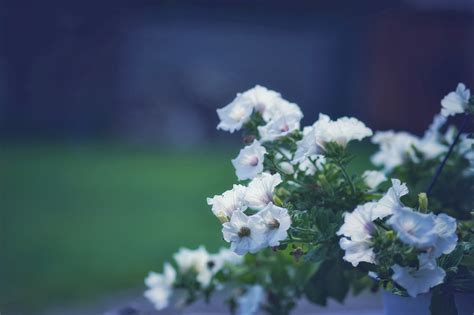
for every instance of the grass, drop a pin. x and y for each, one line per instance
(79, 222)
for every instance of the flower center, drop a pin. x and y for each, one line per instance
(252, 160)
(244, 232)
(284, 128)
(273, 224)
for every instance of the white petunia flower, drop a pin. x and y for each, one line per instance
(232, 200)
(417, 281)
(260, 190)
(245, 233)
(397, 147)
(262, 99)
(224, 257)
(414, 228)
(373, 178)
(279, 127)
(249, 162)
(159, 297)
(249, 303)
(283, 108)
(189, 260)
(160, 287)
(324, 130)
(445, 230)
(455, 102)
(357, 232)
(234, 115)
(277, 222)
(341, 131)
(390, 202)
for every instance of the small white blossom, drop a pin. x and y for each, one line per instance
(307, 146)
(224, 257)
(417, 281)
(160, 287)
(277, 222)
(279, 127)
(234, 115)
(249, 162)
(357, 232)
(189, 260)
(260, 190)
(455, 102)
(373, 178)
(282, 160)
(245, 233)
(249, 303)
(445, 230)
(390, 202)
(283, 108)
(232, 200)
(309, 168)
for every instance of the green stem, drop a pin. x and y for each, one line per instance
(346, 175)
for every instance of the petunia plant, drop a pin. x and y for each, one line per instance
(300, 213)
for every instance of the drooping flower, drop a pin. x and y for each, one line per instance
(277, 222)
(196, 261)
(324, 130)
(357, 231)
(390, 202)
(236, 114)
(249, 303)
(232, 200)
(160, 287)
(373, 178)
(244, 233)
(397, 147)
(260, 190)
(417, 281)
(249, 162)
(455, 102)
(279, 127)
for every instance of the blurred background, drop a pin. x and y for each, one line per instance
(107, 118)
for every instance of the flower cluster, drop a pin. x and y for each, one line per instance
(310, 225)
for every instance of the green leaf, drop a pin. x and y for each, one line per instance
(316, 254)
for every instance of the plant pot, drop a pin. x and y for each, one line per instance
(399, 305)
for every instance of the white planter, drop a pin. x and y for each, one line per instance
(399, 305)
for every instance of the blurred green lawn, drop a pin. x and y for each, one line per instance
(80, 221)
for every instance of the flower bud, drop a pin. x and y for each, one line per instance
(423, 202)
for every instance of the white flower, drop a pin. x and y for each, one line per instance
(341, 131)
(414, 228)
(261, 98)
(357, 232)
(357, 251)
(189, 260)
(373, 178)
(249, 303)
(224, 257)
(324, 130)
(283, 163)
(397, 147)
(390, 202)
(234, 115)
(455, 102)
(245, 233)
(159, 297)
(277, 222)
(160, 287)
(417, 281)
(260, 190)
(232, 200)
(249, 162)
(279, 127)
(282, 108)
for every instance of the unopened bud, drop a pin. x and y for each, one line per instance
(390, 235)
(423, 202)
(223, 219)
(277, 201)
